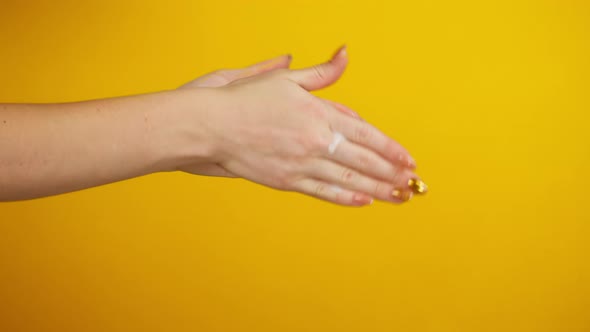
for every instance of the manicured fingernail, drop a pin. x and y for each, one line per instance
(343, 52)
(418, 186)
(411, 162)
(407, 160)
(404, 195)
(361, 199)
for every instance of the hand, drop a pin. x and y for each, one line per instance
(270, 130)
(223, 77)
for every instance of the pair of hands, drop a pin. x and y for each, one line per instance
(271, 130)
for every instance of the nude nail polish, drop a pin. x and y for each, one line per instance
(343, 51)
(411, 162)
(361, 199)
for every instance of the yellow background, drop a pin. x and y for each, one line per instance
(490, 97)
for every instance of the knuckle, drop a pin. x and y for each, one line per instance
(313, 109)
(362, 133)
(319, 72)
(281, 177)
(397, 176)
(295, 183)
(347, 175)
(313, 142)
(288, 177)
(387, 175)
(379, 189)
(321, 143)
(320, 190)
(317, 112)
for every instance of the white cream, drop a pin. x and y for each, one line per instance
(338, 138)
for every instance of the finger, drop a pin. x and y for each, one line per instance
(231, 75)
(364, 160)
(281, 62)
(331, 193)
(323, 75)
(347, 178)
(225, 76)
(367, 135)
(343, 109)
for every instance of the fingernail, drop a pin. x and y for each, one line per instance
(411, 162)
(361, 199)
(403, 195)
(290, 57)
(343, 52)
(418, 186)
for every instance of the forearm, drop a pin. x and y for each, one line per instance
(47, 149)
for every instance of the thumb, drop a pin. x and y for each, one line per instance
(323, 75)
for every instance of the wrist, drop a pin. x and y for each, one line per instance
(180, 129)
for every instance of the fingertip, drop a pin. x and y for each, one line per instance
(340, 60)
(285, 60)
(404, 160)
(321, 75)
(361, 199)
(418, 186)
(341, 53)
(411, 162)
(401, 195)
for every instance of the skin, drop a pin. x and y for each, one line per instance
(260, 123)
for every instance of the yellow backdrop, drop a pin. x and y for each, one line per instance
(491, 98)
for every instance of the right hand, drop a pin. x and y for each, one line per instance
(270, 130)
